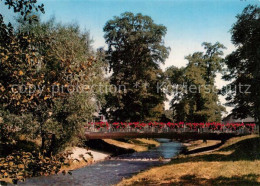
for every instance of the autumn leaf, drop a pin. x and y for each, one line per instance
(20, 73)
(2, 88)
(46, 97)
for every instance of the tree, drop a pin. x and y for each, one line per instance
(195, 97)
(47, 71)
(244, 65)
(47, 75)
(135, 51)
(14, 49)
(25, 8)
(70, 69)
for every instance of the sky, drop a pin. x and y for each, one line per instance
(188, 22)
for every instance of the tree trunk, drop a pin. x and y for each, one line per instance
(43, 140)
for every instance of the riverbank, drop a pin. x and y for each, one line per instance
(82, 157)
(197, 144)
(237, 161)
(138, 145)
(113, 171)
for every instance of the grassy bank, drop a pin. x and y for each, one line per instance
(137, 145)
(235, 162)
(200, 144)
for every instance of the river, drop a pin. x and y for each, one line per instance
(111, 171)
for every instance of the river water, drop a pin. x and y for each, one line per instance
(111, 171)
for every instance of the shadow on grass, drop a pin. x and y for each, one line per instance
(192, 180)
(250, 179)
(248, 149)
(203, 149)
(103, 146)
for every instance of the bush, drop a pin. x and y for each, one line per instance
(21, 165)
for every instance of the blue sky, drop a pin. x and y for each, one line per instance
(188, 22)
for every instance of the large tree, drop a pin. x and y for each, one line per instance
(135, 51)
(244, 65)
(15, 48)
(47, 70)
(195, 97)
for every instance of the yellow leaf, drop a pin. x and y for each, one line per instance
(20, 166)
(46, 97)
(11, 163)
(2, 89)
(20, 73)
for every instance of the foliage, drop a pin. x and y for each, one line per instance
(135, 51)
(71, 72)
(32, 62)
(167, 116)
(68, 120)
(12, 126)
(13, 47)
(14, 50)
(46, 73)
(21, 165)
(244, 65)
(25, 8)
(195, 97)
(47, 70)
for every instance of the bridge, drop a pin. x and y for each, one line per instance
(183, 133)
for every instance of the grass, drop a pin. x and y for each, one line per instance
(200, 144)
(237, 162)
(135, 144)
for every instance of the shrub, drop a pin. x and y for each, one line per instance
(21, 165)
